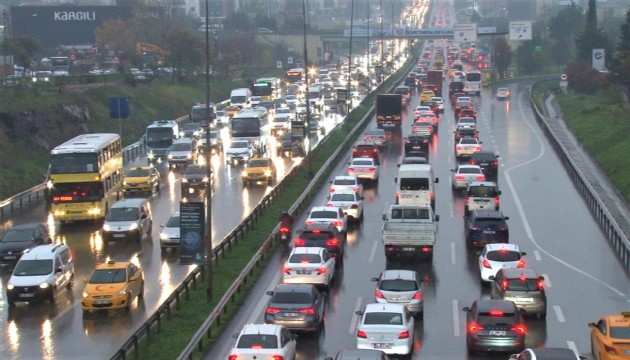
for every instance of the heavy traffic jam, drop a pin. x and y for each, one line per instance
(259, 134)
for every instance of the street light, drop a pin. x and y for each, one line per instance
(367, 64)
(307, 126)
(348, 96)
(380, 75)
(209, 121)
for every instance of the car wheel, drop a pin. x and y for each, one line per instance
(128, 307)
(141, 293)
(70, 283)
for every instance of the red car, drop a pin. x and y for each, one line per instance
(465, 112)
(368, 150)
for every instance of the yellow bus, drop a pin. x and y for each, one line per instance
(84, 177)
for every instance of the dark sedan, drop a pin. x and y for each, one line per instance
(494, 325)
(483, 227)
(20, 238)
(195, 179)
(488, 161)
(283, 145)
(416, 143)
(298, 307)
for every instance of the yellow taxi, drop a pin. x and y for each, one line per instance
(259, 169)
(141, 179)
(113, 286)
(610, 337)
(426, 95)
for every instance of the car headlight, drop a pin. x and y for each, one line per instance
(151, 155)
(106, 227)
(124, 183)
(10, 287)
(170, 157)
(189, 155)
(184, 180)
(85, 295)
(133, 226)
(267, 172)
(205, 179)
(122, 292)
(163, 236)
(44, 285)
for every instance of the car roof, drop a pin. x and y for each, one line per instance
(133, 202)
(324, 208)
(184, 140)
(485, 305)
(398, 274)
(483, 183)
(553, 354)
(529, 273)
(266, 329)
(42, 252)
(467, 166)
(487, 213)
(502, 246)
(25, 226)
(344, 191)
(307, 250)
(345, 177)
(299, 288)
(111, 264)
(384, 307)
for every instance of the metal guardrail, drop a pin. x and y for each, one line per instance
(615, 234)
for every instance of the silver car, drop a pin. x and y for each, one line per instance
(169, 236)
(400, 287)
(309, 265)
(424, 128)
(466, 174)
(467, 146)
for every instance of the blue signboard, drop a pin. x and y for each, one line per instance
(192, 244)
(118, 107)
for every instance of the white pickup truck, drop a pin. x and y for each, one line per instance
(409, 232)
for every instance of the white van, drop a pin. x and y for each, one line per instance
(415, 185)
(128, 219)
(241, 97)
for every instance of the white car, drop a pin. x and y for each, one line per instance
(255, 100)
(420, 109)
(466, 123)
(169, 236)
(300, 108)
(440, 102)
(466, 146)
(291, 100)
(239, 152)
(401, 287)
(281, 123)
(309, 265)
(221, 117)
(499, 256)
(503, 93)
(285, 112)
(386, 327)
(264, 341)
(345, 182)
(363, 168)
(424, 128)
(350, 202)
(466, 174)
(328, 215)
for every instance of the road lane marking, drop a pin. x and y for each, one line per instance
(559, 313)
(547, 282)
(571, 345)
(455, 318)
(453, 252)
(355, 317)
(451, 211)
(523, 216)
(373, 252)
(263, 304)
(537, 255)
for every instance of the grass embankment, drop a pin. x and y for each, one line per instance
(26, 140)
(176, 333)
(600, 123)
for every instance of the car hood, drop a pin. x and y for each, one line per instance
(136, 179)
(256, 169)
(120, 225)
(172, 232)
(103, 289)
(28, 280)
(16, 247)
(237, 151)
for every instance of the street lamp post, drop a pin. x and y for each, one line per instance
(209, 121)
(367, 63)
(380, 75)
(349, 97)
(307, 126)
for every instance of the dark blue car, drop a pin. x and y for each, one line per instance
(483, 227)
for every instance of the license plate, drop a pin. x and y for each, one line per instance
(290, 314)
(406, 196)
(28, 295)
(382, 346)
(481, 201)
(304, 272)
(408, 249)
(119, 235)
(497, 332)
(626, 352)
(10, 257)
(524, 300)
(101, 302)
(489, 232)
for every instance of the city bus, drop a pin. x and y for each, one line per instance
(472, 82)
(84, 177)
(263, 89)
(294, 75)
(159, 137)
(60, 65)
(253, 125)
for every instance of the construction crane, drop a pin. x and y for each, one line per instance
(152, 54)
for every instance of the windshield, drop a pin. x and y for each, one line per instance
(258, 163)
(414, 184)
(257, 341)
(523, 285)
(344, 182)
(240, 145)
(122, 214)
(181, 147)
(362, 163)
(291, 298)
(138, 172)
(76, 192)
(159, 137)
(18, 235)
(305, 259)
(195, 169)
(618, 332)
(473, 77)
(173, 221)
(238, 99)
(191, 127)
(469, 170)
(382, 318)
(324, 215)
(482, 191)
(503, 256)
(246, 126)
(33, 267)
(342, 197)
(398, 285)
(73, 163)
(109, 276)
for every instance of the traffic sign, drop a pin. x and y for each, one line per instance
(118, 107)
(463, 33)
(520, 30)
(564, 77)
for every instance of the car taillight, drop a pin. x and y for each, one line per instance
(331, 189)
(609, 349)
(309, 222)
(417, 295)
(330, 205)
(432, 195)
(486, 264)
(416, 129)
(371, 169)
(459, 177)
(321, 270)
(308, 310)
(368, 137)
(494, 163)
(407, 141)
(473, 162)
(356, 189)
(504, 285)
(379, 295)
(474, 327)
(351, 169)
(481, 177)
(497, 201)
(277, 357)
(332, 242)
(354, 206)
(300, 242)
(521, 264)
(233, 357)
(374, 151)
(520, 329)
(404, 334)
(397, 194)
(540, 284)
(478, 148)
(272, 310)
(337, 223)
(467, 200)
(459, 147)
(429, 128)
(361, 334)
(286, 270)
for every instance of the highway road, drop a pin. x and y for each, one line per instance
(548, 220)
(47, 331)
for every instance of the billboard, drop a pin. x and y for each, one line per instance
(68, 25)
(192, 226)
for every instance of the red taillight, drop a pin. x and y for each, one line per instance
(481, 177)
(486, 264)
(407, 141)
(467, 200)
(308, 310)
(361, 334)
(321, 270)
(284, 229)
(426, 249)
(354, 206)
(330, 205)
(540, 284)
(432, 195)
(310, 222)
(368, 137)
(374, 151)
(429, 128)
(521, 264)
(497, 201)
(478, 148)
(286, 270)
(331, 189)
(473, 162)
(351, 169)
(496, 312)
(371, 169)
(332, 242)
(609, 349)
(459, 177)
(520, 329)
(356, 189)
(417, 295)
(404, 335)
(233, 357)
(272, 310)
(504, 284)
(379, 295)
(277, 357)
(474, 327)
(494, 163)
(416, 129)
(337, 223)
(300, 242)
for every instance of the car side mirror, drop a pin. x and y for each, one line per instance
(506, 218)
(162, 226)
(59, 269)
(269, 292)
(481, 142)
(437, 218)
(395, 180)
(523, 253)
(374, 279)
(541, 278)
(85, 280)
(466, 309)
(398, 165)
(384, 217)
(437, 180)
(359, 312)
(143, 216)
(294, 336)
(235, 336)
(592, 324)
(491, 277)
(499, 192)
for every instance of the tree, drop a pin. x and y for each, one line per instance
(187, 51)
(114, 36)
(584, 79)
(527, 59)
(559, 53)
(592, 37)
(566, 25)
(502, 56)
(620, 73)
(23, 48)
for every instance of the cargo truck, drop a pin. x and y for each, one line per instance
(389, 109)
(435, 77)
